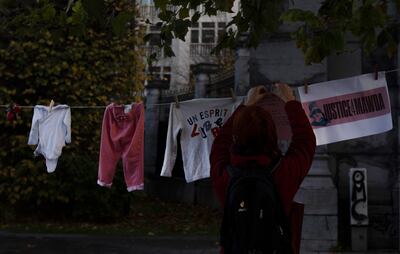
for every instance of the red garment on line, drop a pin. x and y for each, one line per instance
(294, 165)
(122, 136)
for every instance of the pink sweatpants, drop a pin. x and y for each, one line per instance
(122, 136)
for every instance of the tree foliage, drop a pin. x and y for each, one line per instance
(318, 34)
(79, 56)
(325, 32)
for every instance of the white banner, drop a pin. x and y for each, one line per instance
(348, 108)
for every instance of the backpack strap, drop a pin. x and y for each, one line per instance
(274, 164)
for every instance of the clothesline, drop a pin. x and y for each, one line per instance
(5, 106)
(394, 70)
(86, 107)
(153, 104)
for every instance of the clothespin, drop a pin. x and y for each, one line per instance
(137, 96)
(51, 105)
(176, 101)
(305, 86)
(376, 71)
(233, 95)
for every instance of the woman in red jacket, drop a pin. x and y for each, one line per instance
(249, 137)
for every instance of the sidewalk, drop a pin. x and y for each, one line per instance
(11, 243)
(86, 244)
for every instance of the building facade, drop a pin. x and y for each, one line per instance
(326, 190)
(199, 42)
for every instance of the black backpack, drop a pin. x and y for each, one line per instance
(254, 221)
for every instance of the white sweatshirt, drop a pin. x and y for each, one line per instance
(199, 121)
(50, 131)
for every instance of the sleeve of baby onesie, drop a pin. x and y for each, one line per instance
(67, 123)
(174, 126)
(34, 133)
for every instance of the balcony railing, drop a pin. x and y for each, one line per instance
(223, 75)
(204, 50)
(201, 49)
(150, 49)
(148, 12)
(151, 12)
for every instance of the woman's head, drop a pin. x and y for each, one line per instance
(254, 132)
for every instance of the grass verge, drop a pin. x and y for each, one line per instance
(148, 216)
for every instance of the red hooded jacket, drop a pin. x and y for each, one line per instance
(288, 176)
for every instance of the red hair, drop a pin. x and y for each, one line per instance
(254, 132)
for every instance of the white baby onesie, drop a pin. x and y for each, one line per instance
(50, 131)
(199, 121)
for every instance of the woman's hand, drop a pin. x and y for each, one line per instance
(255, 95)
(284, 92)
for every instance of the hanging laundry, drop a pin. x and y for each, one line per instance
(122, 136)
(199, 121)
(50, 130)
(13, 112)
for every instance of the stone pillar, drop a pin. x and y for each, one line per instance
(319, 196)
(242, 67)
(202, 72)
(343, 66)
(153, 91)
(383, 166)
(203, 193)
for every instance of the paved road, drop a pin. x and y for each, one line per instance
(86, 244)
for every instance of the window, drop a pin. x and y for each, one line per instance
(194, 36)
(155, 69)
(208, 32)
(160, 73)
(155, 39)
(221, 29)
(155, 28)
(154, 72)
(194, 33)
(166, 73)
(208, 25)
(167, 77)
(208, 36)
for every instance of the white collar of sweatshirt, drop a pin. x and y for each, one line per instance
(50, 131)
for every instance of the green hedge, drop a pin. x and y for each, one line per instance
(77, 57)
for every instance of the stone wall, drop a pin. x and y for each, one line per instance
(277, 59)
(319, 196)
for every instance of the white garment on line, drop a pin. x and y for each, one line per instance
(199, 121)
(50, 131)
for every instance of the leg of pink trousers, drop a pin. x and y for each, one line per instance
(109, 154)
(133, 156)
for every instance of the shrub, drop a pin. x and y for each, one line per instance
(82, 56)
